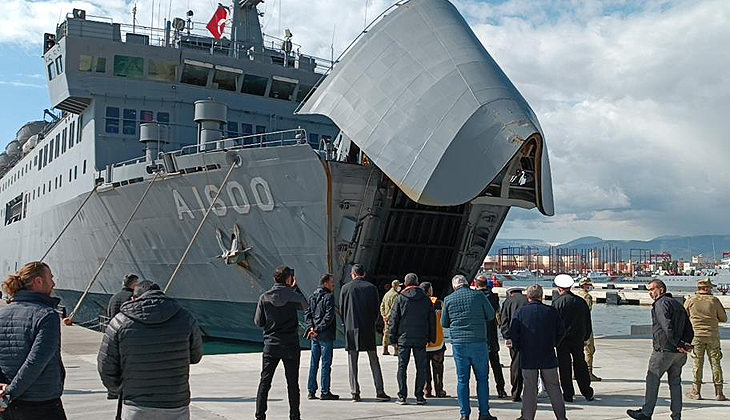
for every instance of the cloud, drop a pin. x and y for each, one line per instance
(632, 96)
(21, 84)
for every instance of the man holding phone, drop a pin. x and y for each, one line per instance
(276, 313)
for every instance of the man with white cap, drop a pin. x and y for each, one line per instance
(515, 300)
(576, 318)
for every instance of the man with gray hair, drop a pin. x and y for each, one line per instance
(412, 326)
(466, 313)
(536, 330)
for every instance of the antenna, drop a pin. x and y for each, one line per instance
(332, 45)
(366, 15)
(134, 18)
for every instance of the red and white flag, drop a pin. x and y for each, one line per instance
(217, 23)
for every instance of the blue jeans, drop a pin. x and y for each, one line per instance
(323, 350)
(468, 356)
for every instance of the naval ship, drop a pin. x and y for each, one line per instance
(215, 160)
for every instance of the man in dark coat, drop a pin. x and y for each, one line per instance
(536, 330)
(576, 316)
(492, 339)
(412, 326)
(671, 337)
(360, 306)
(322, 330)
(146, 354)
(31, 370)
(515, 300)
(122, 296)
(276, 313)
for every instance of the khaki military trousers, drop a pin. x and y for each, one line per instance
(711, 347)
(590, 350)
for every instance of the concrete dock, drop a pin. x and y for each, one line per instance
(224, 387)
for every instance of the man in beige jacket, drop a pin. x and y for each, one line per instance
(386, 307)
(705, 312)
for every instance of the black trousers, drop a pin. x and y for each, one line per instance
(291, 371)
(570, 353)
(435, 371)
(34, 410)
(496, 369)
(515, 373)
(404, 355)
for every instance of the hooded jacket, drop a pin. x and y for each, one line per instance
(576, 316)
(147, 350)
(321, 315)
(413, 320)
(670, 324)
(276, 313)
(30, 349)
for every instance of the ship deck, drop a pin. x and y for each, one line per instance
(224, 387)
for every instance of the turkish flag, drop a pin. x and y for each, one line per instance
(217, 23)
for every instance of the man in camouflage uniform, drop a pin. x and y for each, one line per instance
(590, 346)
(386, 307)
(705, 312)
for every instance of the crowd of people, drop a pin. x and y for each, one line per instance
(151, 341)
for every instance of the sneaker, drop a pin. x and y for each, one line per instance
(329, 396)
(516, 398)
(355, 398)
(487, 417)
(420, 401)
(382, 397)
(501, 393)
(429, 395)
(590, 398)
(442, 394)
(637, 415)
(401, 401)
(312, 396)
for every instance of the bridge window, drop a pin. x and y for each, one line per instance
(196, 75)
(45, 156)
(163, 117)
(232, 129)
(303, 91)
(129, 123)
(161, 71)
(254, 85)
(225, 79)
(112, 120)
(146, 116)
(88, 63)
(126, 66)
(283, 88)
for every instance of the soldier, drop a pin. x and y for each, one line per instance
(705, 312)
(590, 346)
(386, 307)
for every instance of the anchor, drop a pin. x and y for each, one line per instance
(237, 252)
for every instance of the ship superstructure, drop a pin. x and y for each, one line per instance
(399, 184)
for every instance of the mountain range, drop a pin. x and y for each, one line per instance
(681, 247)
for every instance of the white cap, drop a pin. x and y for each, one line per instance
(564, 281)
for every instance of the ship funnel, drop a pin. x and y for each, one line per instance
(154, 137)
(423, 99)
(210, 116)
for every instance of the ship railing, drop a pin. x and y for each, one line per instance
(272, 139)
(133, 161)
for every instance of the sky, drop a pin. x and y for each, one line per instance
(632, 96)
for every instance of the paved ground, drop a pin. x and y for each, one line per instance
(224, 387)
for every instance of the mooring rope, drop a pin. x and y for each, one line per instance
(69, 319)
(200, 226)
(69, 222)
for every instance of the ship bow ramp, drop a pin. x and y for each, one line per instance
(423, 99)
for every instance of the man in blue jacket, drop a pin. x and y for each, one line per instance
(31, 370)
(322, 332)
(466, 314)
(536, 331)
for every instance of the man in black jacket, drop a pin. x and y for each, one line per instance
(146, 354)
(515, 300)
(576, 318)
(122, 296)
(360, 305)
(276, 313)
(671, 334)
(492, 339)
(412, 326)
(322, 331)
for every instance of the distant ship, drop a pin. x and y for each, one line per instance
(406, 156)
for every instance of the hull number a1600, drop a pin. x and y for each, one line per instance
(235, 197)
